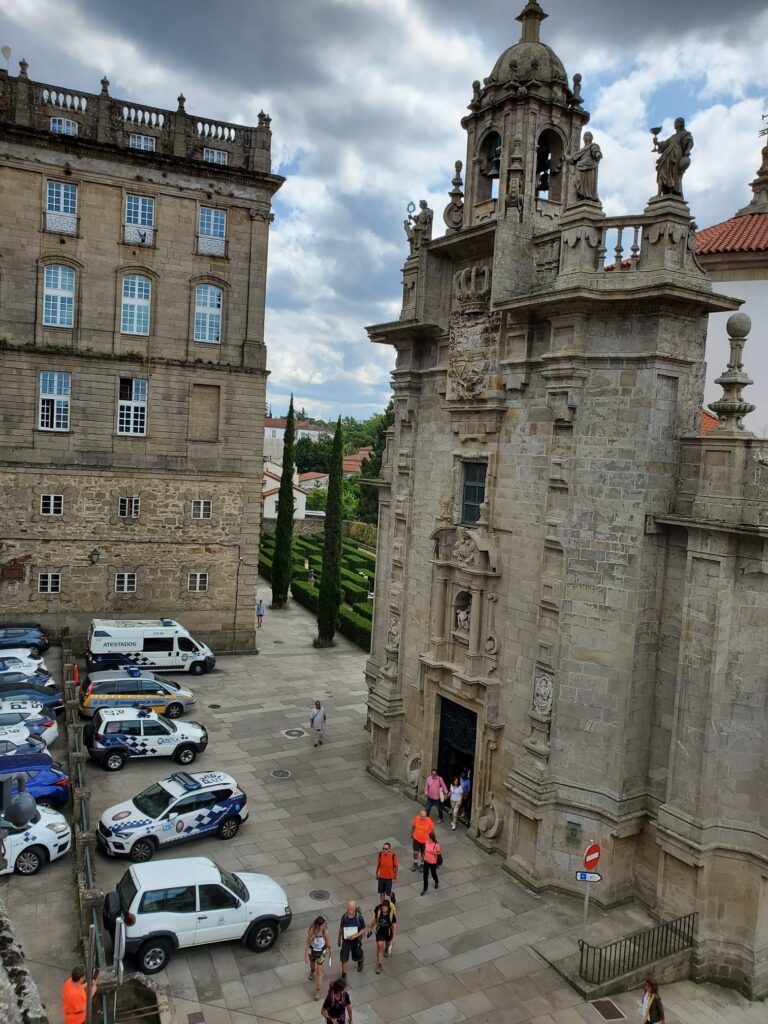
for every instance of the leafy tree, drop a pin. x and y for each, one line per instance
(369, 498)
(350, 497)
(317, 499)
(282, 562)
(329, 598)
(313, 456)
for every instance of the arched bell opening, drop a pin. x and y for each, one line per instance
(549, 164)
(488, 167)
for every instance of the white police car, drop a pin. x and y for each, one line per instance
(115, 734)
(18, 739)
(32, 715)
(28, 849)
(184, 806)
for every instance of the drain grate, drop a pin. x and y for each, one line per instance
(294, 734)
(214, 707)
(281, 773)
(608, 1010)
(321, 895)
(277, 641)
(195, 1018)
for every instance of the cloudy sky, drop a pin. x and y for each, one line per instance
(366, 98)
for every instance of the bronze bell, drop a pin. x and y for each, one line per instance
(494, 163)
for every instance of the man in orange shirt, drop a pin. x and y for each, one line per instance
(74, 997)
(386, 869)
(421, 826)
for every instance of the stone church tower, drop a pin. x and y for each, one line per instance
(573, 589)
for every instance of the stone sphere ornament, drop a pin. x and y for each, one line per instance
(739, 325)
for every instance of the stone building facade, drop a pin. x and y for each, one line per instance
(132, 284)
(573, 584)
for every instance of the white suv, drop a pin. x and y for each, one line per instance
(191, 901)
(28, 849)
(115, 734)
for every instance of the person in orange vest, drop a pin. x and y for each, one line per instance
(421, 826)
(74, 997)
(386, 869)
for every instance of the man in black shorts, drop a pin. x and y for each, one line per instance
(351, 931)
(385, 923)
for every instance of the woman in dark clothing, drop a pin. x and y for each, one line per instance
(652, 1008)
(337, 1005)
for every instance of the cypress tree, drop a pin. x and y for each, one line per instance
(282, 563)
(329, 598)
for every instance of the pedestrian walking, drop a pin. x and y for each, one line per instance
(456, 794)
(433, 858)
(351, 931)
(651, 1007)
(421, 826)
(74, 997)
(385, 926)
(435, 791)
(387, 866)
(337, 1005)
(317, 720)
(259, 613)
(466, 802)
(317, 952)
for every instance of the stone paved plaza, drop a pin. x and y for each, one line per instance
(465, 953)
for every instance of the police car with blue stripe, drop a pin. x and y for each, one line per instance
(185, 806)
(115, 734)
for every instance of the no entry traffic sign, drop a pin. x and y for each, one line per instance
(591, 856)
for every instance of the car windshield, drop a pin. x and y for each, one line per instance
(126, 890)
(233, 883)
(167, 682)
(153, 800)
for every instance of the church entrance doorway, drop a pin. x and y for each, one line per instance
(456, 750)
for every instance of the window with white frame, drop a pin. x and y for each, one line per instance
(132, 406)
(51, 504)
(146, 142)
(61, 207)
(197, 582)
(134, 313)
(208, 303)
(128, 508)
(125, 582)
(212, 232)
(58, 295)
(139, 226)
(63, 126)
(202, 508)
(53, 412)
(216, 156)
(49, 583)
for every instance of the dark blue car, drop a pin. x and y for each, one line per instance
(41, 676)
(24, 636)
(15, 685)
(45, 780)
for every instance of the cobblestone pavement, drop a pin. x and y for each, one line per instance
(464, 953)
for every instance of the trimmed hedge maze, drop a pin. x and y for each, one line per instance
(358, 574)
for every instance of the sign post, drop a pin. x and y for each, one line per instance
(588, 875)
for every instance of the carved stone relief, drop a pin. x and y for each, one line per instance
(463, 550)
(543, 691)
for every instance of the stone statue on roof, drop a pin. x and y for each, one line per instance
(675, 159)
(418, 226)
(585, 162)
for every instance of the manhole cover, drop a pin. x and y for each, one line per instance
(608, 1010)
(319, 894)
(214, 707)
(294, 733)
(281, 773)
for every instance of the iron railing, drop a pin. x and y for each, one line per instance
(601, 963)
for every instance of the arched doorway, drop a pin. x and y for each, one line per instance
(456, 749)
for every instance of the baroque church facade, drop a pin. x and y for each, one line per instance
(573, 585)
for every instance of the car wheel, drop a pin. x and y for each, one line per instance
(142, 850)
(228, 828)
(262, 937)
(114, 762)
(197, 668)
(174, 710)
(88, 734)
(153, 955)
(30, 861)
(185, 755)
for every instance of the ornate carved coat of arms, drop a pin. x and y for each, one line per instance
(473, 333)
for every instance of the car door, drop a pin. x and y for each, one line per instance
(158, 651)
(181, 820)
(153, 696)
(187, 651)
(169, 910)
(159, 740)
(220, 916)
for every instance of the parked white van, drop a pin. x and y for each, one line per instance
(148, 643)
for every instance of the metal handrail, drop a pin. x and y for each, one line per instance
(601, 963)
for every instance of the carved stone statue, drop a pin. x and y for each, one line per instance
(463, 616)
(543, 692)
(585, 162)
(463, 549)
(418, 226)
(393, 632)
(675, 159)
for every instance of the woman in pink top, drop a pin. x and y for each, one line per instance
(432, 859)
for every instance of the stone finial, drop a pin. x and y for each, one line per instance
(576, 98)
(759, 201)
(474, 103)
(264, 120)
(105, 86)
(181, 99)
(731, 408)
(23, 67)
(531, 18)
(453, 214)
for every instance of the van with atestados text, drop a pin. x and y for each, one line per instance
(147, 643)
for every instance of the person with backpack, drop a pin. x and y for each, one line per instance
(337, 1005)
(317, 952)
(386, 869)
(385, 925)
(433, 858)
(351, 931)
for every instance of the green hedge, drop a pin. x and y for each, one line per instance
(355, 628)
(366, 533)
(265, 567)
(305, 594)
(364, 609)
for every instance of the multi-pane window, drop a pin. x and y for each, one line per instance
(147, 142)
(208, 302)
(125, 582)
(63, 126)
(197, 582)
(134, 314)
(128, 508)
(216, 156)
(51, 504)
(139, 228)
(49, 583)
(212, 232)
(132, 406)
(61, 197)
(202, 508)
(58, 296)
(473, 493)
(55, 390)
